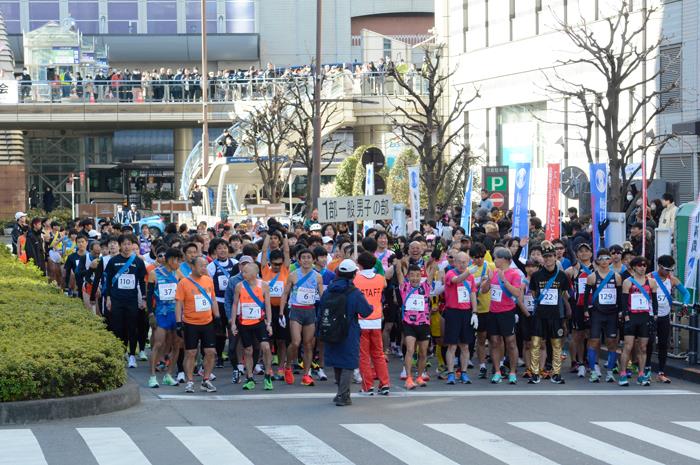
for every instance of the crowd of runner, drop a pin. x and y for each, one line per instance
(453, 307)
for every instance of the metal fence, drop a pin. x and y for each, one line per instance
(685, 332)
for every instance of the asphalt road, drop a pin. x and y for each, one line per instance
(577, 423)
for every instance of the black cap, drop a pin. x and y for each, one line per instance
(584, 244)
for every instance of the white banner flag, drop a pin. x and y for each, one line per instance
(414, 197)
(369, 190)
(693, 250)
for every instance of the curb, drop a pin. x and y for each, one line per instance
(31, 411)
(673, 370)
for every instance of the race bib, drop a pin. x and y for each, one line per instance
(166, 291)
(661, 298)
(201, 304)
(423, 279)
(276, 290)
(223, 282)
(250, 311)
(463, 295)
(638, 302)
(550, 297)
(582, 285)
(126, 282)
(415, 303)
(608, 296)
(306, 296)
(496, 293)
(529, 303)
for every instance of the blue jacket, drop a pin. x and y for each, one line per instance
(347, 353)
(230, 294)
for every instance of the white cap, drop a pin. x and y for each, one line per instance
(327, 239)
(315, 227)
(19, 215)
(347, 266)
(93, 234)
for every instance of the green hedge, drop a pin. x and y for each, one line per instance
(50, 346)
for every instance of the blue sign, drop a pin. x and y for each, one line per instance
(521, 206)
(599, 199)
(466, 222)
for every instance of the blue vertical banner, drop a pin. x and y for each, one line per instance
(521, 206)
(414, 197)
(599, 199)
(466, 222)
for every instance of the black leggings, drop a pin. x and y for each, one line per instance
(663, 334)
(125, 323)
(144, 328)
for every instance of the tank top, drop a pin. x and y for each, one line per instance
(221, 275)
(249, 311)
(416, 306)
(579, 283)
(165, 287)
(662, 300)
(606, 302)
(638, 303)
(304, 295)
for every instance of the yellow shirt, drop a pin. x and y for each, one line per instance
(483, 300)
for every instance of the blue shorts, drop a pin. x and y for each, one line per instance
(166, 321)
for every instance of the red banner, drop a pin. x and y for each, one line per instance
(553, 187)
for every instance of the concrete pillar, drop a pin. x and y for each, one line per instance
(182, 146)
(370, 135)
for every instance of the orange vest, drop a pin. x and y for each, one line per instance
(372, 288)
(21, 249)
(249, 312)
(268, 275)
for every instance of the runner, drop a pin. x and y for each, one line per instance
(253, 321)
(125, 288)
(549, 287)
(638, 304)
(301, 290)
(666, 283)
(72, 268)
(604, 287)
(504, 286)
(221, 269)
(526, 321)
(191, 251)
(197, 315)
(275, 274)
(616, 256)
(480, 270)
(327, 276)
(578, 275)
(235, 349)
(460, 320)
(161, 303)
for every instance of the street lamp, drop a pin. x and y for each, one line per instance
(316, 152)
(205, 87)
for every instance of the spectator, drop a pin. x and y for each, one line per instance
(668, 214)
(486, 202)
(313, 219)
(34, 246)
(636, 241)
(19, 228)
(48, 199)
(536, 231)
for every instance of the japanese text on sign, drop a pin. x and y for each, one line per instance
(341, 209)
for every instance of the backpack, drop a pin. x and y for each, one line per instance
(333, 321)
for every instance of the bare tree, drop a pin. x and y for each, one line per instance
(434, 127)
(617, 55)
(299, 98)
(264, 132)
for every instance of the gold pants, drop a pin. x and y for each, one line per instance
(536, 343)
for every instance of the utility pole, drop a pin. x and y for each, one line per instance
(316, 153)
(205, 87)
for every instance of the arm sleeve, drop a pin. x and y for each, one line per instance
(107, 276)
(624, 304)
(587, 293)
(685, 294)
(142, 277)
(654, 304)
(149, 298)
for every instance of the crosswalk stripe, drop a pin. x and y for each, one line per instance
(208, 446)
(689, 424)
(306, 447)
(112, 446)
(404, 448)
(20, 446)
(658, 438)
(488, 443)
(584, 444)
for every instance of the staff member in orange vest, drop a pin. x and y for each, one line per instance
(371, 348)
(253, 320)
(196, 313)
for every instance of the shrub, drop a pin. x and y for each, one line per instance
(50, 346)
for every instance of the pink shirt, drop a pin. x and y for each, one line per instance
(457, 295)
(384, 257)
(412, 313)
(500, 302)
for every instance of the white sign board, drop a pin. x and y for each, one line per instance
(366, 207)
(9, 93)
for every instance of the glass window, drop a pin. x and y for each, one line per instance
(88, 27)
(240, 9)
(123, 27)
(193, 27)
(43, 11)
(521, 134)
(193, 9)
(240, 27)
(123, 10)
(10, 10)
(162, 10)
(162, 27)
(84, 10)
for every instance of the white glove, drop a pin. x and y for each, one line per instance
(475, 321)
(283, 322)
(517, 318)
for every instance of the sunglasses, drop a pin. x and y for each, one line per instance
(476, 257)
(615, 253)
(559, 248)
(450, 257)
(667, 268)
(161, 255)
(604, 257)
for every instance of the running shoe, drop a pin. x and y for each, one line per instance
(594, 378)
(321, 375)
(356, 376)
(279, 376)
(367, 393)
(219, 362)
(442, 374)
(258, 370)
(574, 367)
(483, 372)
(307, 380)
(470, 364)
(275, 360)
(425, 376)
(343, 401)
(527, 374)
(503, 370)
(267, 383)
(403, 375)
(534, 379)
(288, 376)
(249, 384)
(315, 365)
(662, 378)
(410, 385)
(132, 362)
(384, 390)
(623, 380)
(464, 378)
(236, 377)
(512, 379)
(581, 371)
(643, 380)
(521, 363)
(212, 376)
(142, 356)
(161, 366)
(168, 380)
(420, 381)
(557, 379)
(647, 372)
(616, 370)
(207, 386)
(597, 371)
(546, 374)
(609, 377)
(496, 378)
(450, 378)
(180, 377)
(153, 382)
(189, 387)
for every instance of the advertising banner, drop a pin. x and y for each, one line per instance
(553, 186)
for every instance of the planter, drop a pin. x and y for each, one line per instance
(7, 231)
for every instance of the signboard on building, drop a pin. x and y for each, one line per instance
(171, 206)
(98, 210)
(66, 55)
(267, 210)
(87, 58)
(9, 93)
(360, 208)
(495, 181)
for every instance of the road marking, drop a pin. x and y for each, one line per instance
(112, 446)
(306, 447)
(208, 446)
(586, 445)
(689, 424)
(20, 446)
(404, 448)
(444, 394)
(488, 443)
(658, 438)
